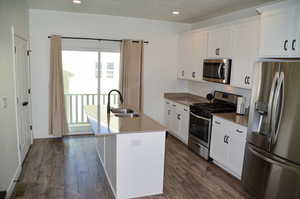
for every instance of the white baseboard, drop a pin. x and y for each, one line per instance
(13, 182)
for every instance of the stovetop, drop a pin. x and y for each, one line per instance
(206, 109)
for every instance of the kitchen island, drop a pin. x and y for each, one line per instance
(132, 152)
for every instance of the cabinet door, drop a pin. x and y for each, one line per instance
(236, 149)
(184, 54)
(184, 120)
(296, 36)
(218, 146)
(276, 31)
(199, 53)
(219, 43)
(245, 52)
(174, 124)
(167, 113)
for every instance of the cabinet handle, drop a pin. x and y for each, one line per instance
(168, 102)
(178, 116)
(174, 105)
(193, 74)
(216, 122)
(293, 45)
(239, 131)
(182, 73)
(218, 51)
(285, 45)
(247, 80)
(226, 137)
(227, 140)
(169, 111)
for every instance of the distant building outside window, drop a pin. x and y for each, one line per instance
(110, 70)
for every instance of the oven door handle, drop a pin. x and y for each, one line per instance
(219, 70)
(199, 117)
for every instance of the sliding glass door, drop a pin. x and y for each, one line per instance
(90, 70)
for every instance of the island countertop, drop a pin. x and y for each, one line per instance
(111, 124)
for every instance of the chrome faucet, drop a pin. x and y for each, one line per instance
(108, 100)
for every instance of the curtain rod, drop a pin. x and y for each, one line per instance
(86, 38)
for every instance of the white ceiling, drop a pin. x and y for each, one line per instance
(191, 10)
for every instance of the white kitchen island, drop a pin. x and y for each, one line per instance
(132, 152)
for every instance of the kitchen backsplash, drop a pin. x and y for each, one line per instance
(202, 88)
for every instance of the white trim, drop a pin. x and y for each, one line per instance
(13, 182)
(16, 94)
(106, 174)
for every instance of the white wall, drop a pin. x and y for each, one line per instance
(160, 54)
(12, 13)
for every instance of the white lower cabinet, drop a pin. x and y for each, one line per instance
(227, 145)
(177, 119)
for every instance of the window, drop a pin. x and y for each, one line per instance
(110, 70)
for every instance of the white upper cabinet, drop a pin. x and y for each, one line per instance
(184, 52)
(296, 35)
(279, 35)
(219, 43)
(245, 39)
(192, 51)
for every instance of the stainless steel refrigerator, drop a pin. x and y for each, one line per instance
(272, 155)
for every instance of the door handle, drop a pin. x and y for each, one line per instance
(285, 45)
(293, 45)
(277, 110)
(182, 73)
(25, 103)
(271, 100)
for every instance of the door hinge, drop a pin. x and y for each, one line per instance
(30, 127)
(29, 91)
(28, 52)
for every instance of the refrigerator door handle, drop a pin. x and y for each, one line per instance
(274, 160)
(271, 102)
(276, 110)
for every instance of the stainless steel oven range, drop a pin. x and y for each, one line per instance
(201, 119)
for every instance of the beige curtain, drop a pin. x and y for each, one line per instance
(57, 115)
(132, 59)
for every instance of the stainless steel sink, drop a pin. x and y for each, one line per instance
(127, 114)
(121, 110)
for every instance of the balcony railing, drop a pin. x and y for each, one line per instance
(75, 104)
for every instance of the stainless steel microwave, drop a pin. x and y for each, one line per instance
(217, 70)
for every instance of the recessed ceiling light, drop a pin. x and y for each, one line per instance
(175, 12)
(76, 1)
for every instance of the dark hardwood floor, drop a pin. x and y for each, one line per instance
(70, 168)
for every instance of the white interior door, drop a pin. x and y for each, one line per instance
(22, 94)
